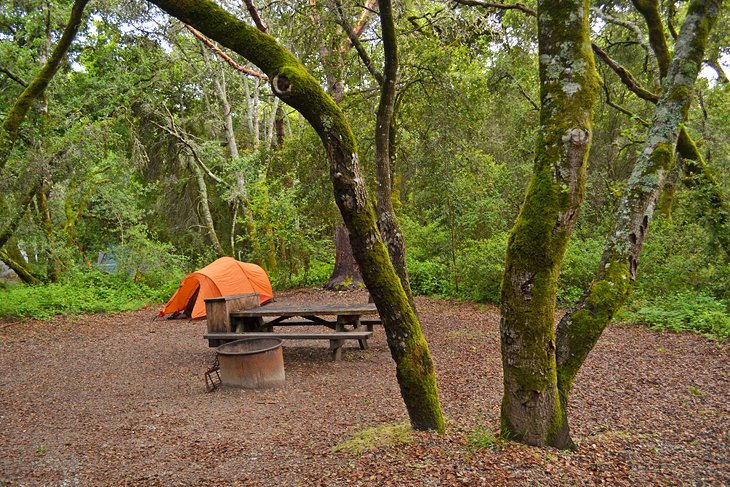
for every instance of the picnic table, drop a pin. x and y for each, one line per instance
(345, 321)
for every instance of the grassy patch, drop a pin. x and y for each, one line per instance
(382, 436)
(482, 438)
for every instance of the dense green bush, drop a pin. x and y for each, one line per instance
(315, 275)
(481, 266)
(579, 267)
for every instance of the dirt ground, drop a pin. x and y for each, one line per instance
(120, 400)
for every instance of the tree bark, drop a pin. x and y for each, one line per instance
(532, 411)
(346, 274)
(387, 221)
(293, 84)
(11, 125)
(582, 325)
(205, 208)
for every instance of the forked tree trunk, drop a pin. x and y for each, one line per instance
(292, 83)
(582, 325)
(532, 411)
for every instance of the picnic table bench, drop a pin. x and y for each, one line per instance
(347, 322)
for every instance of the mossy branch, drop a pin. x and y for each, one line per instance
(582, 325)
(11, 125)
(649, 9)
(291, 82)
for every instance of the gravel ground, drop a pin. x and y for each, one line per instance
(120, 400)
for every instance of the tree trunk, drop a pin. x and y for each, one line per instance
(292, 83)
(582, 325)
(532, 411)
(205, 208)
(346, 274)
(384, 145)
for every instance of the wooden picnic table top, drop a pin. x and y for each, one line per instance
(274, 309)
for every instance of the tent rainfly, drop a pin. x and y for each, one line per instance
(222, 277)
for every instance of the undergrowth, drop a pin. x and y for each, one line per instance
(91, 292)
(684, 311)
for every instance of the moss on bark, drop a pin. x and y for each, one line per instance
(582, 325)
(531, 408)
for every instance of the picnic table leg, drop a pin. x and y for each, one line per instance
(336, 347)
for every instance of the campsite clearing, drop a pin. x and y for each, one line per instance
(120, 399)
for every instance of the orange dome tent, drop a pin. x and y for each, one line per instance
(222, 277)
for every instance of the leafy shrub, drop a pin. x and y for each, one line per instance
(91, 292)
(684, 311)
(428, 277)
(481, 266)
(315, 275)
(579, 267)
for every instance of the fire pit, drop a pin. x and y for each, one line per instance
(253, 363)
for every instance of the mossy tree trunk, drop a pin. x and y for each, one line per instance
(582, 325)
(532, 411)
(292, 83)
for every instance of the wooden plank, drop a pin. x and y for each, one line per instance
(218, 309)
(345, 335)
(310, 310)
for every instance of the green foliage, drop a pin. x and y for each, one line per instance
(685, 311)
(579, 268)
(316, 274)
(481, 266)
(90, 292)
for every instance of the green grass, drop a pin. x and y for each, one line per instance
(93, 292)
(482, 438)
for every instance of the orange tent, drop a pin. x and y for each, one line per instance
(222, 277)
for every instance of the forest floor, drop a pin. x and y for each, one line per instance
(120, 399)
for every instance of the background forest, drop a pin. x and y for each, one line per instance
(153, 151)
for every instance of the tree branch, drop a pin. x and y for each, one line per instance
(254, 12)
(221, 54)
(625, 75)
(649, 9)
(355, 41)
(11, 125)
(623, 23)
(500, 6)
(13, 76)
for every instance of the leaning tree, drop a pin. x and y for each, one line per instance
(291, 82)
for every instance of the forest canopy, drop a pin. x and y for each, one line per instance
(154, 149)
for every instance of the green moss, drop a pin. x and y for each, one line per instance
(607, 294)
(680, 93)
(377, 438)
